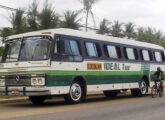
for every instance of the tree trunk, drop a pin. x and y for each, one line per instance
(87, 21)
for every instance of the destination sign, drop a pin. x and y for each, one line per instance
(94, 66)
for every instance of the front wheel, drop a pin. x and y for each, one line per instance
(154, 91)
(75, 93)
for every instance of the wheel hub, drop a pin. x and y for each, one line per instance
(75, 92)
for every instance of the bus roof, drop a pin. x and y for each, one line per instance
(82, 34)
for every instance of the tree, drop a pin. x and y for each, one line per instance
(18, 21)
(1, 51)
(104, 27)
(129, 30)
(33, 16)
(48, 18)
(6, 32)
(71, 20)
(116, 30)
(88, 4)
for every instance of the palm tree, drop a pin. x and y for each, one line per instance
(71, 20)
(88, 4)
(48, 18)
(32, 16)
(116, 30)
(129, 30)
(18, 21)
(104, 27)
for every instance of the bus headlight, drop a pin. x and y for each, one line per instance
(37, 81)
(2, 82)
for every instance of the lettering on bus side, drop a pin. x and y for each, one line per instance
(116, 66)
(94, 66)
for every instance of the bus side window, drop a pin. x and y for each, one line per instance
(112, 51)
(69, 50)
(158, 56)
(145, 55)
(130, 53)
(91, 49)
(163, 57)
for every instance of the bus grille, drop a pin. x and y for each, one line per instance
(18, 80)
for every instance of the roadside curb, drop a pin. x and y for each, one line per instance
(17, 99)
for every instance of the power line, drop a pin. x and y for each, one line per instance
(8, 8)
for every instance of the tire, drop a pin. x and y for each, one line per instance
(154, 91)
(143, 88)
(161, 91)
(76, 93)
(111, 93)
(37, 100)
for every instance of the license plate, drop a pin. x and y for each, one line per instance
(15, 92)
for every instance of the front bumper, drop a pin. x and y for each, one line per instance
(29, 91)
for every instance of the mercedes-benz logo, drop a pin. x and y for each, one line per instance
(17, 79)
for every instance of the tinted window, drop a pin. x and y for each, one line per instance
(74, 47)
(145, 55)
(13, 49)
(69, 47)
(91, 49)
(130, 53)
(112, 52)
(158, 56)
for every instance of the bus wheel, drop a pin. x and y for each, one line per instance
(37, 100)
(111, 93)
(141, 91)
(75, 93)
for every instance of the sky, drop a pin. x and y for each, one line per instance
(141, 12)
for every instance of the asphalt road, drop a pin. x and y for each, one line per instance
(96, 107)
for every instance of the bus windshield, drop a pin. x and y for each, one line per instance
(27, 49)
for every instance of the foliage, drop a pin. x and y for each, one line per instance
(6, 32)
(18, 21)
(88, 4)
(71, 20)
(48, 18)
(116, 29)
(33, 16)
(104, 27)
(129, 30)
(1, 50)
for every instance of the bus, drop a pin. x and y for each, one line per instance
(72, 63)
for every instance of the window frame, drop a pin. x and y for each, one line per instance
(95, 48)
(133, 50)
(148, 55)
(108, 55)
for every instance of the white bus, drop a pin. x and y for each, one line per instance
(72, 63)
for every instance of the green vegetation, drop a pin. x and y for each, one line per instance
(46, 18)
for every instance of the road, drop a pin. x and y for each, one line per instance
(95, 107)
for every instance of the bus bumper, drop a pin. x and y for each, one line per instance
(25, 91)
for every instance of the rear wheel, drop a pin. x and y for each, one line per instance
(37, 100)
(76, 93)
(111, 93)
(143, 88)
(161, 91)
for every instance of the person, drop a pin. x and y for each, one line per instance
(159, 76)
